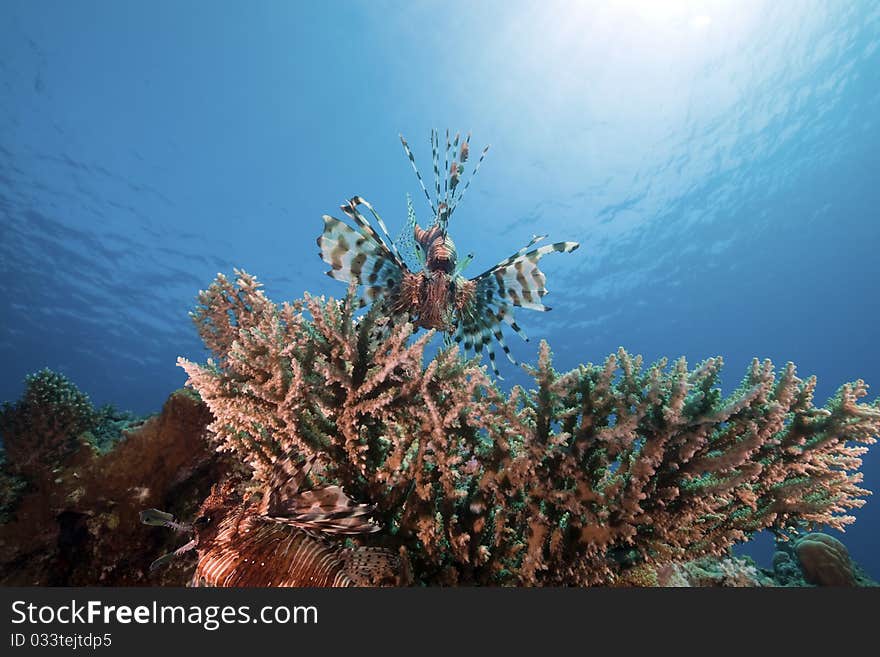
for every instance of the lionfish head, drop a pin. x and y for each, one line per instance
(438, 247)
(219, 504)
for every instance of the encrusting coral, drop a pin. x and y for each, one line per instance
(593, 473)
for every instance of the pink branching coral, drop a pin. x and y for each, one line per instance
(653, 465)
(592, 473)
(392, 433)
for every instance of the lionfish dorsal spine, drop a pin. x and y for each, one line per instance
(446, 169)
(444, 204)
(412, 161)
(435, 157)
(470, 179)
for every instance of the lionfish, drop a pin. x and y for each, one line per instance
(282, 540)
(428, 287)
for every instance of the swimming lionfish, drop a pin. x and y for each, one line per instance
(429, 288)
(282, 540)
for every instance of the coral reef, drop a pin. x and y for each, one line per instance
(280, 537)
(590, 475)
(727, 571)
(75, 519)
(817, 559)
(12, 487)
(824, 560)
(43, 427)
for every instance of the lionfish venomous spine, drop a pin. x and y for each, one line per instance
(284, 539)
(428, 288)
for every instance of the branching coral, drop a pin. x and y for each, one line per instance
(593, 472)
(622, 465)
(393, 433)
(42, 428)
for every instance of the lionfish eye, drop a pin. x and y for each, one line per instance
(201, 521)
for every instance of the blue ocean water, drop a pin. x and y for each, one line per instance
(717, 161)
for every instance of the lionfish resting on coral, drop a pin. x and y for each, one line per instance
(428, 287)
(284, 539)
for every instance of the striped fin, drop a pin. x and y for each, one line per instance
(411, 251)
(351, 210)
(412, 161)
(287, 478)
(473, 175)
(515, 281)
(535, 239)
(324, 510)
(356, 255)
(371, 566)
(446, 169)
(479, 324)
(326, 525)
(519, 279)
(435, 145)
(444, 204)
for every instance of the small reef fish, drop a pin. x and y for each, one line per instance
(427, 286)
(281, 540)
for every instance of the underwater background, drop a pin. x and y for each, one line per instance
(717, 161)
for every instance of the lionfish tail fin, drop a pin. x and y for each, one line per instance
(372, 566)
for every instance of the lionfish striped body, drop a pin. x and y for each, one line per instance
(284, 539)
(431, 292)
(245, 549)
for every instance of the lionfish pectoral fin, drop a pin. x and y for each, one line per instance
(284, 483)
(408, 247)
(328, 510)
(515, 281)
(157, 518)
(165, 558)
(464, 262)
(359, 255)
